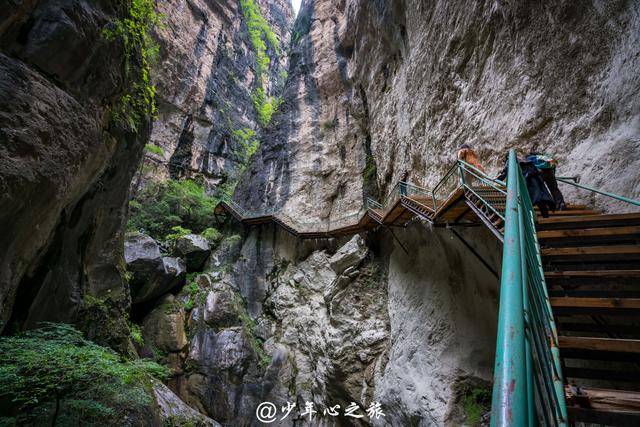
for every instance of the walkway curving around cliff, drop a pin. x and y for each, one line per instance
(568, 284)
(464, 197)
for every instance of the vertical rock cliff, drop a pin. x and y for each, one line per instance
(208, 77)
(65, 165)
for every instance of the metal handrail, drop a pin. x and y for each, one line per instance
(575, 183)
(527, 376)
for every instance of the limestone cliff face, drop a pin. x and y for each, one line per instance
(409, 81)
(555, 77)
(313, 160)
(206, 76)
(64, 169)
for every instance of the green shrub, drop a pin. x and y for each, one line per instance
(136, 334)
(154, 149)
(264, 105)
(212, 235)
(249, 143)
(177, 232)
(54, 374)
(134, 31)
(260, 33)
(160, 206)
(476, 402)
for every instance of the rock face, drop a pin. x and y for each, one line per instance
(315, 162)
(290, 342)
(206, 76)
(194, 249)
(443, 310)
(174, 411)
(557, 78)
(64, 170)
(153, 275)
(377, 89)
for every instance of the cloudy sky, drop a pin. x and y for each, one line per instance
(296, 5)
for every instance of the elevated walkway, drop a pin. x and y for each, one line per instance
(568, 345)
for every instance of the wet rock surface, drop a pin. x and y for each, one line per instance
(174, 411)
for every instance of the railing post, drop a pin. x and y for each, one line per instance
(509, 401)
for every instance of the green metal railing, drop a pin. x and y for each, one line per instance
(574, 181)
(528, 388)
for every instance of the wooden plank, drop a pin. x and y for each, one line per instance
(592, 218)
(604, 399)
(600, 344)
(588, 232)
(591, 274)
(564, 326)
(608, 418)
(574, 212)
(592, 250)
(610, 303)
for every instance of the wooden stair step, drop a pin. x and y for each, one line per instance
(599, 344)
(563, 327)
(589, 221)
(603, 303)
(619, 251)
(591, 274)
(603, 406)
(575, 212)
(589, 232)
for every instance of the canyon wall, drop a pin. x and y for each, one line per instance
(206, 78)
(379, 89)
(65, 166)
(554, 77)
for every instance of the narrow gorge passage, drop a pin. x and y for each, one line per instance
(275, 212)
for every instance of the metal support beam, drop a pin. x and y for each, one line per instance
(474, 252)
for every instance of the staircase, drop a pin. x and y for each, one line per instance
(568, 347)
(592, 270)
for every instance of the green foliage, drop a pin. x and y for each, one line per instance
(136, 334)
(370, 171)
(154, 149)
(329, 125)
(476, 402)
(140, 52)
(176, 233)
(248, 141)
(249, 326)
(160, 206)
(54, 374)
(212, 235)
(264, 105)
(193, 289)
(260, 33)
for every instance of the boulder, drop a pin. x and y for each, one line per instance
(194, 249)
(152, 274)
(220, 307)
(163, 328)
(349, 255)
(141, 252)
(174, 411)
